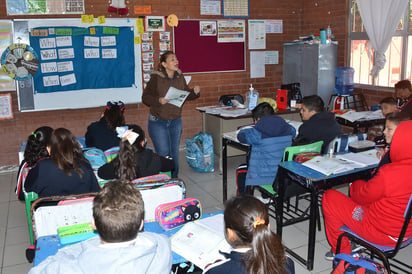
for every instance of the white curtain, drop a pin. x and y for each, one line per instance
(380, 18)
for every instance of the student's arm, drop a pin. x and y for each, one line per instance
(107, 171)
(366, 192)
(31, 180)
(249, 136)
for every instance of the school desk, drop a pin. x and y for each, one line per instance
(315, 183)
(216, 125)
(362, 123)
(49, 245)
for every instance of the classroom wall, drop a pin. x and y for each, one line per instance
(299, 17)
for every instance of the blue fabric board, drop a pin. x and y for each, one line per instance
(91, 73)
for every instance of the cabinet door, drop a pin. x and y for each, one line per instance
(292, 63)
(309, 63)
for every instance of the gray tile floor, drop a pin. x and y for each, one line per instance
(207, 187)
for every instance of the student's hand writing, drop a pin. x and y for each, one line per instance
(163, 100)
(196, 89)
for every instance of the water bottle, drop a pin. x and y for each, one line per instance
(344, 81)
(322, 36)
(328, 35)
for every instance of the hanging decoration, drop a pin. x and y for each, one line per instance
(119, 7)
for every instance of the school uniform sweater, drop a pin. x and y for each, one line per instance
(322, 126)
(47, 179)
(99, 135)
(147, 163)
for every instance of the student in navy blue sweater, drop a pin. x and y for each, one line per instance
(66, 172)
(256, 248)
(102, 134)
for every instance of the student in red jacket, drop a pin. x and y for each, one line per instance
(375, 208)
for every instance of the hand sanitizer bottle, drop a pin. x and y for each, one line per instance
(252, 97)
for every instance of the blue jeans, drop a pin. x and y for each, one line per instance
(165, 135)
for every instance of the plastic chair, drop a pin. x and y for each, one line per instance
(288, 155)
(384, 252)
(29, 198)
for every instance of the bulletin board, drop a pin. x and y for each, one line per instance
(80, 65)
(198, 53)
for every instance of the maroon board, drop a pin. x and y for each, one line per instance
(203, 53)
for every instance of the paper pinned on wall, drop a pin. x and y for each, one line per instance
(257, 64)
(272, 57)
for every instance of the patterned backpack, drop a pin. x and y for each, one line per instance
(199, 152)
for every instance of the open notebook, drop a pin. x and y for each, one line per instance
(200, 241)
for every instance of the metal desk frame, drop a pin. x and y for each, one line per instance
(229, 142)
(315, 182)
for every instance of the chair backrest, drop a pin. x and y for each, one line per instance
(341, 142)
(291, 151)
(29, 198)
(407, 215)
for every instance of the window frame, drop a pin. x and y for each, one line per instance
(405, 33)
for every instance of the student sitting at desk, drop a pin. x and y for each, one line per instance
(391, 123)
(256, 248)
(118, 214)
(102, 134)
(36, 149)
(318, 124)
(267, 151)
(375, 208)
(134, 160)
(388, 105)
(65, 172)
(403, 90)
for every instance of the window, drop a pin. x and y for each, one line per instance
(398, 55)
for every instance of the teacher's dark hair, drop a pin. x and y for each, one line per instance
(163, 58)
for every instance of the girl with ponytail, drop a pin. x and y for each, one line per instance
(256, 249)
(134, 160)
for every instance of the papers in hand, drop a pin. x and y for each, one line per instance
(176, 96)
(200, 241)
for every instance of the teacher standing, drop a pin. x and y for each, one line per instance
(165, 123)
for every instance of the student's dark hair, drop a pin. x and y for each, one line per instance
(397, 117)
(261, 110)
(404, 84)
(248, 218)
(36, 146)
(163, 58)
(313, 102)
(118, 211)
(66, 151)
(125, 163)
(388, 100)
(114, 114)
